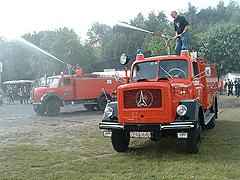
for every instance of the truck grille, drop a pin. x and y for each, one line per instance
(142, 98)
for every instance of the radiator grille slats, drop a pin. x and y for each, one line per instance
(142, 98)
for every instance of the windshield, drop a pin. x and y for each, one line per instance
(166, 68)
(53, 81)
(145, 70)
(173, 69)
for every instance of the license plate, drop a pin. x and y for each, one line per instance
(140, 134)
(182, 135)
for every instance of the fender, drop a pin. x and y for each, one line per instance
(50, 96)
(193, 107)
(114, 117)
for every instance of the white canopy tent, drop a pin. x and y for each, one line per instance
(231, 76)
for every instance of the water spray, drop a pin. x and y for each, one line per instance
(167, 38)
(41, 50)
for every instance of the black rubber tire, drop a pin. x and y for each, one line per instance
(39, 109)
(154, 139)
(102, 102)
(193, 140)
(119, 140)
(53, 108)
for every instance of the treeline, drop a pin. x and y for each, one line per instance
(215, 35)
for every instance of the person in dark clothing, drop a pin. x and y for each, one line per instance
(20, 95)
(15, 93)
(230, 87)
(237, 87)
(8, 94)
(11, 95)
(25, 94)
(182, 35)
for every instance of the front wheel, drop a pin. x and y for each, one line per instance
(193, 140)
(39, 109)
(102, 102)
(52, 108)
(120, 141)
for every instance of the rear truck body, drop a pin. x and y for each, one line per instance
(90, 90)
(166, 95)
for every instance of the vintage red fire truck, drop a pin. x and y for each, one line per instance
(91, 90)
(166, 95)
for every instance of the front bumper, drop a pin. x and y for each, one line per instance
(147, 127)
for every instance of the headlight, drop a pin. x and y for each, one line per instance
(181, 110)
(124, 59)
(108, 111)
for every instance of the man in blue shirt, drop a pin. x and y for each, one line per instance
(181, 28)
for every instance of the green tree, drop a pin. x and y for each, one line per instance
(221, 46)
(64, 45)
(98, 32)
(15, 61)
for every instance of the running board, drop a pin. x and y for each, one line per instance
(209, 117)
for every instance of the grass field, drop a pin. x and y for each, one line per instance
(82, 154)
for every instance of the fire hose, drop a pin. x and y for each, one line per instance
(167, 38)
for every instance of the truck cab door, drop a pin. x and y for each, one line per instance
(66, 89)
(196, 81)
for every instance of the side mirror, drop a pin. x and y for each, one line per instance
(117, 76)
(208, 72)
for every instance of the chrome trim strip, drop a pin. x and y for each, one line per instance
(183, 126)
(180, 123)
(111, 126)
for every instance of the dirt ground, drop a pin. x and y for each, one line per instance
(17, 118)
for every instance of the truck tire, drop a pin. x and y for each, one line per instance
(120, 141)
(193, 140)
(39, 109)
(102, 102)
(53, 108)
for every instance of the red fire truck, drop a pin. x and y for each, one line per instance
(166, 95)
(90, 90)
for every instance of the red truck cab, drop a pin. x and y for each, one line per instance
(166, 95)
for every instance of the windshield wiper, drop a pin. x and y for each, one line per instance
(166, 72)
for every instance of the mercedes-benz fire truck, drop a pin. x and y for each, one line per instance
(166, 95)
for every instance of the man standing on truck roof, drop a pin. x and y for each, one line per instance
(181, 28)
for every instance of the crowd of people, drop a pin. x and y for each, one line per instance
(232, 87)
(14, 93)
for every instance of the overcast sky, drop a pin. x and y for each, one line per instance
(22, 16)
